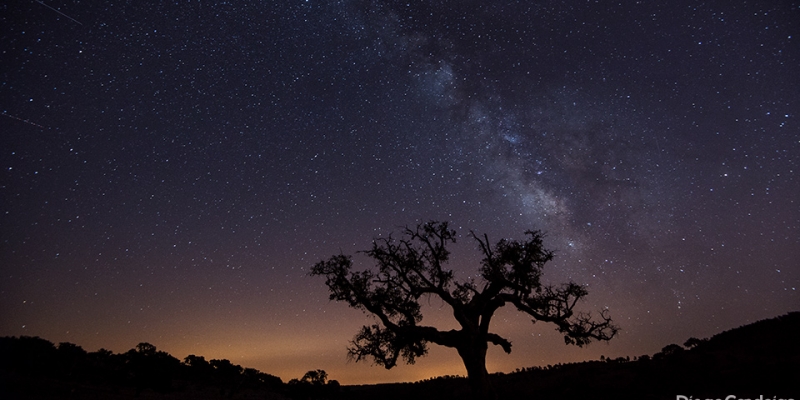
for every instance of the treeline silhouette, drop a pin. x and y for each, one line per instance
(34, 368)
(760, 359)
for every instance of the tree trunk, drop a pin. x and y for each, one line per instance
(474, 357)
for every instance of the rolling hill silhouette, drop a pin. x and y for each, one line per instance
(759, 360)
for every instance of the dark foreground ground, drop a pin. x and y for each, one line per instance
(757, 361)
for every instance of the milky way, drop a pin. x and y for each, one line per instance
(172, 171)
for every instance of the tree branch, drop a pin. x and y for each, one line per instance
(556, 305)
(498, 340)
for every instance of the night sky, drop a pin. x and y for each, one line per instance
(171, 171)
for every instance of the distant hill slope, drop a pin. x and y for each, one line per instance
(760, 359)
(776, 336)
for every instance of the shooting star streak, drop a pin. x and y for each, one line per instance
(29, 122)
(73, 19)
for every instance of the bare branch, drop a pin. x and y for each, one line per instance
(498, 340)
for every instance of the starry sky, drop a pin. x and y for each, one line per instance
(171, 171)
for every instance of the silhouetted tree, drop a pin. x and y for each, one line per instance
(228, 375)
(414, 266)
(146, 349)
(315, 377)
(693, 342)
(107, 367)
(30, 355)
(255, 378)
(72, 359)
(199, 370)
(671, 349)
(151, 368)
(314, 384)
(226, 368)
